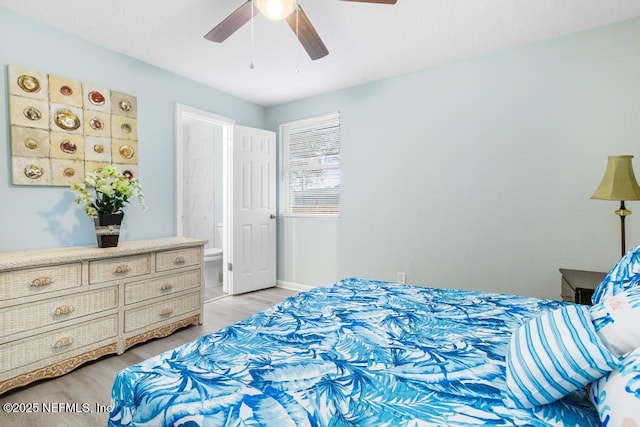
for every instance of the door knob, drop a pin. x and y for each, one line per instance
(272, 216)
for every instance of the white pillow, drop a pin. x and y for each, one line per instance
(617, 321)
(552, 355)
(624, 275)
(617, 395)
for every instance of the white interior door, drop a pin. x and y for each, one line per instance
(252, 226)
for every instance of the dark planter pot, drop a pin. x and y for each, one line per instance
(108, 229)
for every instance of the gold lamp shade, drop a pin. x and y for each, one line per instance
(619, 182)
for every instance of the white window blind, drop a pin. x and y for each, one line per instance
(311, 166)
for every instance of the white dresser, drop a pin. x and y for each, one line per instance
(63, 307)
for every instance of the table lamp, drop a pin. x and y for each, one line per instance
(619, 183)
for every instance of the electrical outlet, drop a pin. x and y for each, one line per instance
(402, 277)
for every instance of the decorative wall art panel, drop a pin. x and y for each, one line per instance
(96, 101)
(30, 113)
(99, 123)
(66, 146)
(66, 172)
(124, 127)
(28, 84)
(66, 118)
(97, 149)
(124, 105)
(28, 142)
(62, 129)
(65, 91)
(32, 169)
(126, 150)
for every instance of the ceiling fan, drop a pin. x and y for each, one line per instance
(277, 10)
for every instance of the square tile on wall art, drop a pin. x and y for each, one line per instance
(62, 129)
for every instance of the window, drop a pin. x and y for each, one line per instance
(311, 166)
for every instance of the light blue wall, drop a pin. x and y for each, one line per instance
(474, 175)
(43, 217)
(478, 174)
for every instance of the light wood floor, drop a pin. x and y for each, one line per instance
(91, 384)
(211, 292)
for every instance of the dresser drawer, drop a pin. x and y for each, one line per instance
(25, 317)
(33, 281)
(118, 268)
(169, 260)
(22, 352)
(159, 286)
(149, 314)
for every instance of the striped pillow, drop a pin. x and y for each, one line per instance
(552, 355)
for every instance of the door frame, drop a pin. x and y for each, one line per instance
(184, 113)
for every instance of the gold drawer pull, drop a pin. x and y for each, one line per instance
(64, 309)
(124, 268)
(63, 342)
(179, 260)
(166, 287)
(41, 281)
(166, 311)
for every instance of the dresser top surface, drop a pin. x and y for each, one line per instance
(39, 257)
(582, 278)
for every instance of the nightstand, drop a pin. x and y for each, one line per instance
(578, 285)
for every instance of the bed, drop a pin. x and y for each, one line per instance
(356, 353)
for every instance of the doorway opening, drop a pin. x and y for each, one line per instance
(202, 141)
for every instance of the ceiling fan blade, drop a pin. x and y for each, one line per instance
(374, 1)
(231, 23)
(309, 38)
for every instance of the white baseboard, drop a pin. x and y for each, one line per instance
(293, 286)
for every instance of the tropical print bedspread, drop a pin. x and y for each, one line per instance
(356, 353)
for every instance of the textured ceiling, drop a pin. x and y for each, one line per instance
(366, 42)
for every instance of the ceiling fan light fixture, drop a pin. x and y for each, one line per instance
(276, 9)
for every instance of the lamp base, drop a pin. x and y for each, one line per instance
(622, 212)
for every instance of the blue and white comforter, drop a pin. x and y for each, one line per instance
(356, 353)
